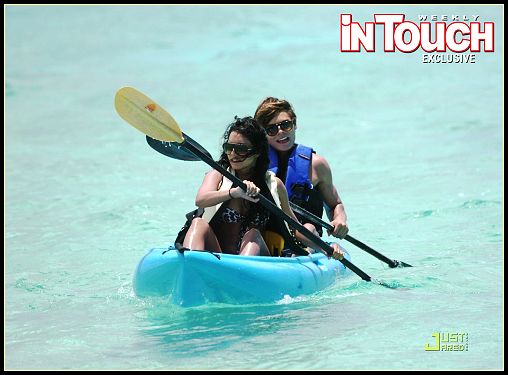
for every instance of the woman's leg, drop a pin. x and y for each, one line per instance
(200, 236)
(253, 243)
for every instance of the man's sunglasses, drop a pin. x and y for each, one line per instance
(273, 129)
(240, 149)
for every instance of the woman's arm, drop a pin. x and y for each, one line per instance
(284, 202)
(209, 195)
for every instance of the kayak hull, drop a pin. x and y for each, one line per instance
(194, 278)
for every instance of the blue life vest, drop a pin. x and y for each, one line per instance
(298, 182)
(297, 177)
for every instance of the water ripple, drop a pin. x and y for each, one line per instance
(425, 213)
(474, 203)
(9, 91)
(28, 285)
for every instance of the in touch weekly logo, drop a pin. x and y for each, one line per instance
(448, 342)
(442, 39)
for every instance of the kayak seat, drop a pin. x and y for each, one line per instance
(275, 243)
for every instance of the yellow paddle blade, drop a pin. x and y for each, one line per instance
(147, 116)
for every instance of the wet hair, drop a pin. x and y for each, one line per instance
(250, 129)
(271, 107)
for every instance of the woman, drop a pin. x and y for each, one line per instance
(233, 222)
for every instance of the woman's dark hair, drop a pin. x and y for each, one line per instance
(250, 129)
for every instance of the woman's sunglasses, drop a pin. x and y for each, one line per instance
(286, 125)
(240, 149)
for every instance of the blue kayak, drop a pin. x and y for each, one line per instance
(194, 278)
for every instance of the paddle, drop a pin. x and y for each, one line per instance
(317, 220)
(175, 151)
(149, 118)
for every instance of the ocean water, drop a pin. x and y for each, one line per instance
(416, 152)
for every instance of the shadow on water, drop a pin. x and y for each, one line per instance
(197, 331)
(193, 331)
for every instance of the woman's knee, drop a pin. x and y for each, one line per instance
(253, 243)
(199, 224)
(201, 236)
(252, 234)
(198, 227)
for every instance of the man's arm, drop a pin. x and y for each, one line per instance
(324, 184)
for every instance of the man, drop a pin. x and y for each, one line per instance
(307, 176)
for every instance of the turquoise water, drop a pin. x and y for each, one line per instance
(416, 152)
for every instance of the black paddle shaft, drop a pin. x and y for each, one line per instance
(354, 241)
(390, 262)
(194, 148)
